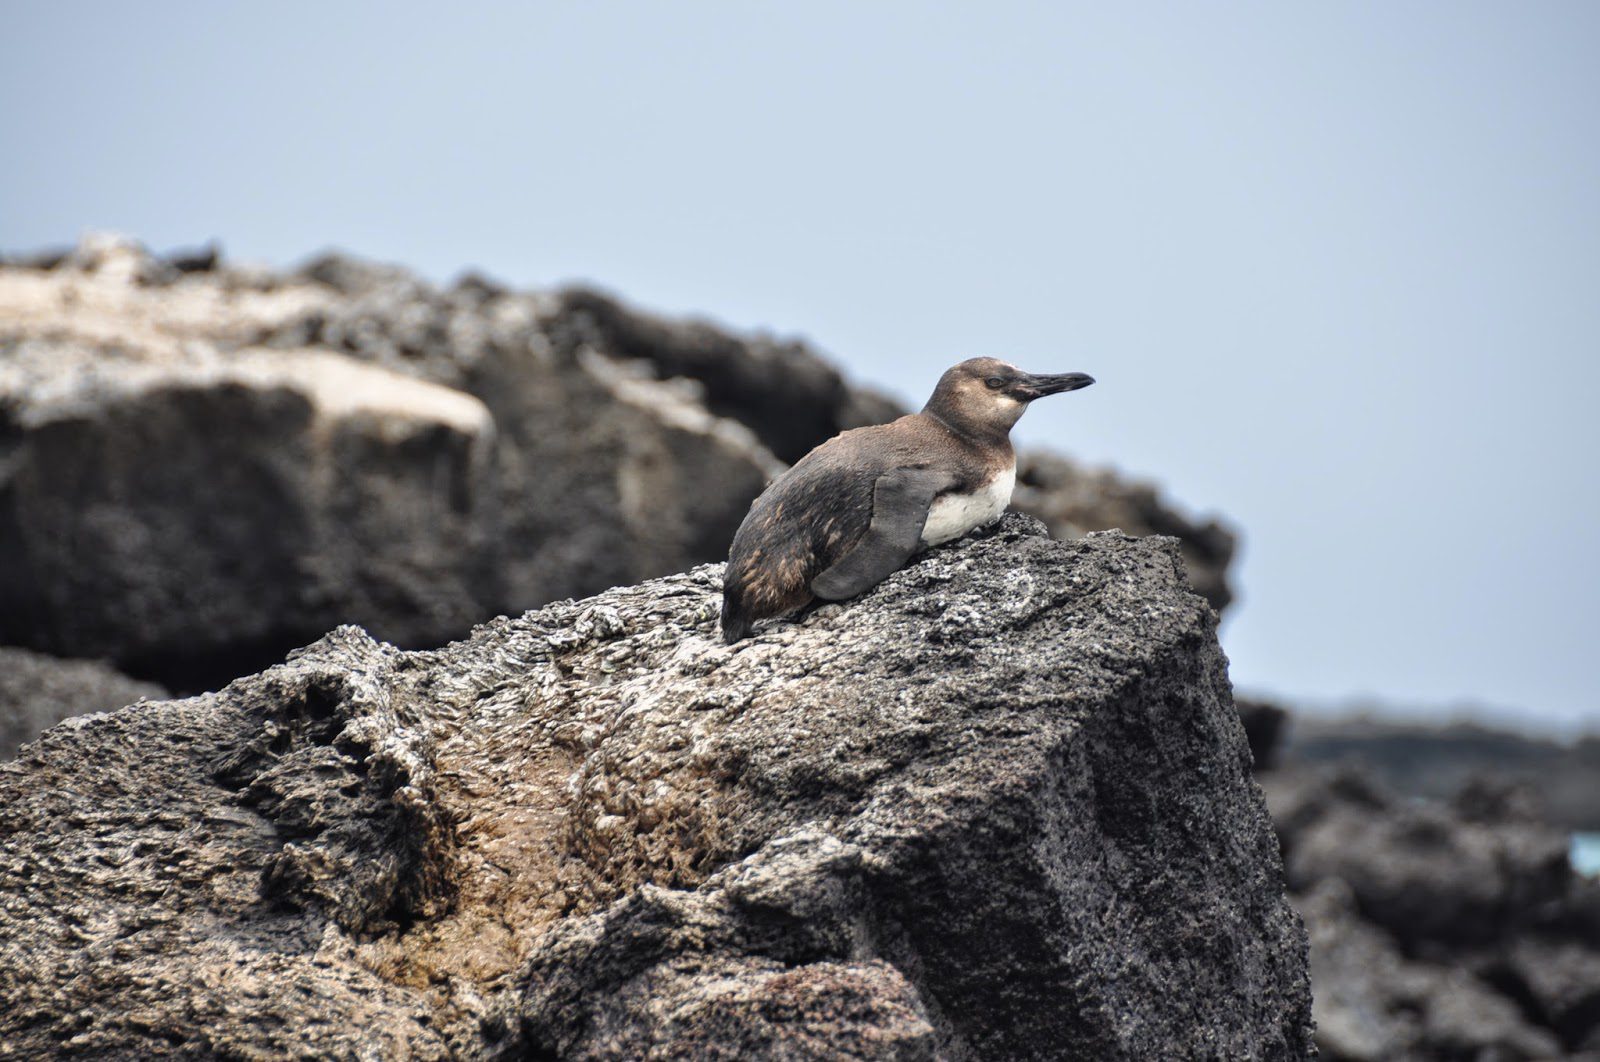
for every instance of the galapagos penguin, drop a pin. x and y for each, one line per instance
(857, 507)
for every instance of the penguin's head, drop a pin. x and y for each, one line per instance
(989, 394)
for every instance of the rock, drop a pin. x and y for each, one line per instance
(1558, 980)
(1264, 724)
(195, 259)
(43, 259)
(188, 515)
(38, 691)
(1425, 873)
(1438, 761)
(1438, 930)
(1073, 500)
(1374, 1005)
(1001, 806)
(192, 875)
(791, 398)
(203, 469)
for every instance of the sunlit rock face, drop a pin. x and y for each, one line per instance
(204, 469)
(999, 807)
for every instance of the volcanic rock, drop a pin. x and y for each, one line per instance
(1437, 762)
(1073, 500)
(1001, 806)
(1264, 724)
(1438, 930)
(1373, 1004)
(190, 491)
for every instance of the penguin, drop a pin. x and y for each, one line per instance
(852, 511)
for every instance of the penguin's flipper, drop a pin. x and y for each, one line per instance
(900, 501)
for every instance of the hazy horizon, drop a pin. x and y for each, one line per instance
(1335, 269)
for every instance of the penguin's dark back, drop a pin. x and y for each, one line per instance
(808, 517)
(817, 511)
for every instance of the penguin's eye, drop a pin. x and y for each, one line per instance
(994, 383)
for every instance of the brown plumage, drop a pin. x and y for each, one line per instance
(854, 508)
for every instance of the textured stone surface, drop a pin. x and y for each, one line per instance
(999, 807)
(791, 398)
(38, 691)
(177, 512)
(191, 874)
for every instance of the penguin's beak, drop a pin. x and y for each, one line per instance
(1030, 387)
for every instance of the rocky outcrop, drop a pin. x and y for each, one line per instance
(1073, 500)
(1438, 930)
(781, 390)
(204, 469)
(1438, 762)
(206, 465)
(1001, 806)
(38, 691)
(186, 514)
(1373, 1002)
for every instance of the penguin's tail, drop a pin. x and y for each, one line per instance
(734, 625)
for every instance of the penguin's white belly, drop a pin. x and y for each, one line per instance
(953, 515)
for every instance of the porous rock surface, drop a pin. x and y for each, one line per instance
(203, 465)
(999, 807)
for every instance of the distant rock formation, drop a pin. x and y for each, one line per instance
(38, 691)
(203, 466)
(1440, 761)
(1439, 930)
(1000, 807)
(204, 470)
(1264, 725)
(1074, 500)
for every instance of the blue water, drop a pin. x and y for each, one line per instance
(1586, 853)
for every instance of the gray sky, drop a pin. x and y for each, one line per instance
(1336, 267)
